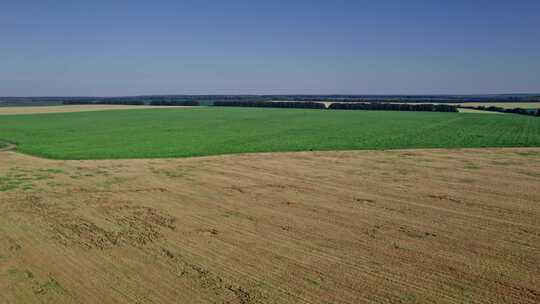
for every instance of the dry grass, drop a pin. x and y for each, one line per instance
(506, 105)
(478, 111)
(70, 108)
(418, 226)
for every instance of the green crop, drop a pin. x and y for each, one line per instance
(212, 131)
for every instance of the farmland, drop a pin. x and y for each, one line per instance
(401, 226)
(270, 152)
(154, 133)
(506, 105)
(462, 110)
(66, 109)
(114, 211)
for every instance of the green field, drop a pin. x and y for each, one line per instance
(211, 131)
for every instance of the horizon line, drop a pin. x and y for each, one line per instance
(279, 94)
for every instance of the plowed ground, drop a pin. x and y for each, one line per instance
(418, 226)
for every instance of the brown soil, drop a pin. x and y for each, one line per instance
(422, 226)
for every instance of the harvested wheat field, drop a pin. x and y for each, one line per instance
(73, 108)
(416, 226)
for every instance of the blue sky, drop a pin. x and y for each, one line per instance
(110, 48)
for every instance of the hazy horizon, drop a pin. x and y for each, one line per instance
(277, 94)
(105, 49)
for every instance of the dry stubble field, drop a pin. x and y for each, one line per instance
(73, 108)
(422, 226)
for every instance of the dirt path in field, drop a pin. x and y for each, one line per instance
(73, 108)
(417, 226)
(8, 147)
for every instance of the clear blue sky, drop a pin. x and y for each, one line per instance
(268, 47)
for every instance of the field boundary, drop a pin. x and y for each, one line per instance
(13, 148)
(8, 146)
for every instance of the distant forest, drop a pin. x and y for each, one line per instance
(210, 99)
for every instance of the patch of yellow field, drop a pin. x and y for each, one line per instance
(72, 108)
(479, 111)
(506, 105)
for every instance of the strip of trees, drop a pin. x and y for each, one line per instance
(378, 106)
(341, 106)
(191, 103)
(428, 107)
(104, 102)
(271, 104)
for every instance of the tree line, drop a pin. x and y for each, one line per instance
(377, 106)
(428, 107)
(271, 104)
(191, 103)
(341, 106)
(104, 102)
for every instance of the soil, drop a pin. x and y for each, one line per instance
(416, 226)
